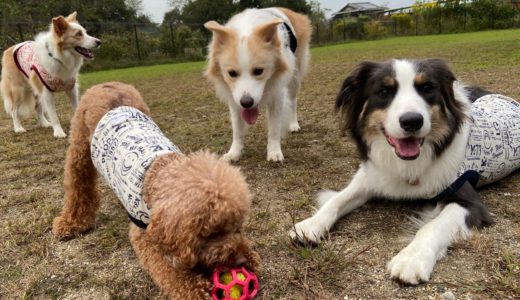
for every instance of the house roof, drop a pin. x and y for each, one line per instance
(359, 7)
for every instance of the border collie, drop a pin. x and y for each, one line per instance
(32, 71)
(421, 134)
(257, 59)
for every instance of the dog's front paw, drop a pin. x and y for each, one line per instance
(294, 127)
(414, 264)
(276, 156)
(19, 129)
(232, 156)
(59, 133)
(309, 230)
(63, 228)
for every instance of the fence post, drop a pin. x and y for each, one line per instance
(173, 39)
(20, 32)
(344, 29)
(440, 20)
(137, 43)
(331, 32)
(416, 24)
(318, 33)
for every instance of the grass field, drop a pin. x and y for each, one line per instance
(102, 265)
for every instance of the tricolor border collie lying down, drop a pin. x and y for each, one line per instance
(421, 135)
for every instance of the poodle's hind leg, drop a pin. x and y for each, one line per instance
(81, 198)
(175, 281)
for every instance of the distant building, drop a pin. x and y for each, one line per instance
(357, 9)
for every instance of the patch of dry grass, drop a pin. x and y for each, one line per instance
(102, 265)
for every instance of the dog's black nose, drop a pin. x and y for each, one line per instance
(411, 121)
(247, 101)
(98, 43)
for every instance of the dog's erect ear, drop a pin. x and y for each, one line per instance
(350, 99)
(72, 17)
(59, 25)
(268, 32)
(221, 34)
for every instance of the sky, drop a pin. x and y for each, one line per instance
(156, 8)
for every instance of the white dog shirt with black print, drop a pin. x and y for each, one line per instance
(124, 145)
(493, 148)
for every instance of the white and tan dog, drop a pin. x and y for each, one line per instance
(257, 59)
(33, 71)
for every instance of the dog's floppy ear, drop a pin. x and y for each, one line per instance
(446, 80)
(351, 99)
(72, 17)
(59, 25)
(177, 232)
(268, 32)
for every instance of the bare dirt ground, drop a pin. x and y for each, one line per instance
(102, 265)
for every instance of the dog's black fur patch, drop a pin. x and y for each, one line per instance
(474, 92)
(469, 198)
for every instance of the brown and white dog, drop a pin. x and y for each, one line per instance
(32, 71)
(421, 134)
(258, 59)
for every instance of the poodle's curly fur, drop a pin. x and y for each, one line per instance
(198, 203)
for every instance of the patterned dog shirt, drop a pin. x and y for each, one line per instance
(27, 61)
(493, 148)
(124, 145)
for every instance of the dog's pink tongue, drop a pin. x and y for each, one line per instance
(250, 115)
(408, 148)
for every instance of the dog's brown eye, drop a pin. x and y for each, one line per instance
(426, 88)
(384, 92)
(258, 71)
(79, 33)
(233, 74)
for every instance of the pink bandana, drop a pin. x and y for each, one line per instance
(26, 61)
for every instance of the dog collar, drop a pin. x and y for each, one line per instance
(49, 52)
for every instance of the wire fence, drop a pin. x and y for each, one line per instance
(130, 44)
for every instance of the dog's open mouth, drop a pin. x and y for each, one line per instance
(84, 52)
(406, 148)
(250, 115)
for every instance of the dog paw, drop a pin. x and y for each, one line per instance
(414, 264)
(276, 156)
(309, 230)
(59, 133)
(65, 229)
(19, 130)
(294, 127)
(231, 156)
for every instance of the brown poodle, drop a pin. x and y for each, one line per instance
(198, 204)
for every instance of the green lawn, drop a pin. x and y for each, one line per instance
(102, 265)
